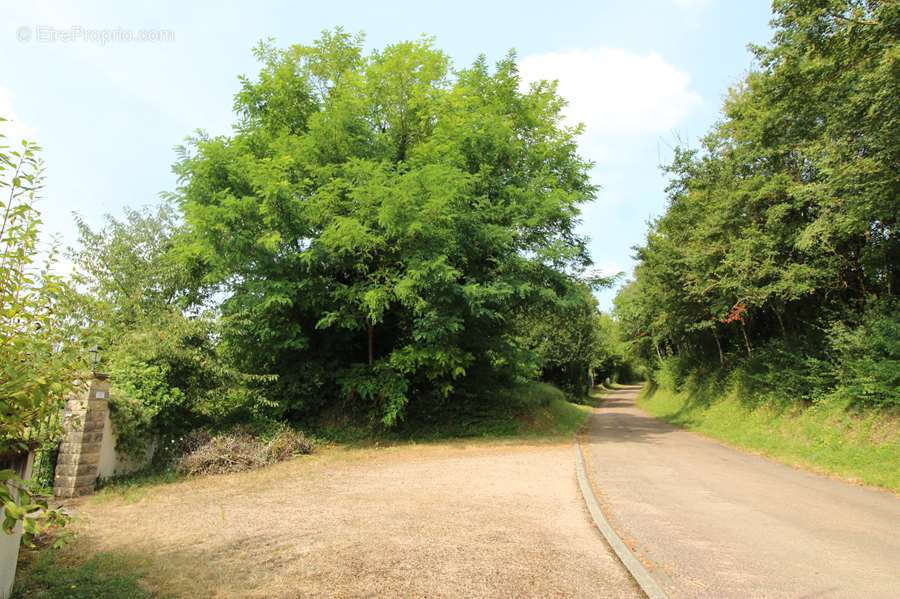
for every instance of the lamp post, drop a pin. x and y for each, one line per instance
(95, 361)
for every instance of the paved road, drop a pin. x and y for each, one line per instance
(710, 521)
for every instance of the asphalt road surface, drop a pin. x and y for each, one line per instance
(711, 521)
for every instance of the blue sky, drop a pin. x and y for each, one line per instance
(638, 74)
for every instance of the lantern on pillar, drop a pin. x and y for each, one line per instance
(95, 358)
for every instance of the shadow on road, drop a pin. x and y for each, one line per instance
(615, 403)
(618, 419)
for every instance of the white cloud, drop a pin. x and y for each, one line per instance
(13, 128)
(609, 267)
(614, 91)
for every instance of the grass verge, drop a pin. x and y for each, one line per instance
(560, 418)
(57, 574)
(863, 448)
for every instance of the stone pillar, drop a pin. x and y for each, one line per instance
(79, 453)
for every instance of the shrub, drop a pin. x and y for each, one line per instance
(238, 451)
(868, 369)
(168, 378)
(672, 372)
(287, 444)
(541, 394)
(39, 356)
(782, 372)
(522, 398)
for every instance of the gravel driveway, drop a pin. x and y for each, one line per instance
(436, 520)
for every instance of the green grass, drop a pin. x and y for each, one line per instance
(51, 574)
(560, 418)
(132, 487)
(537, 410)
(531, 410)
(826, 437)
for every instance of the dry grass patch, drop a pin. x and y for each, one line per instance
(435, 520)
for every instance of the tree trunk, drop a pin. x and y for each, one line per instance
(781, 324)
(746, 339)
(719, 346)
(371, 343)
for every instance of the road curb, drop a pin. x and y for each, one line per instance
(637, 570)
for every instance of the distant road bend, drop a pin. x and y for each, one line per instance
(710, 521)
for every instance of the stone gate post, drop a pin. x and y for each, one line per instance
(79, 452)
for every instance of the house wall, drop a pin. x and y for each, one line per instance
(114, 463)
(9, 543)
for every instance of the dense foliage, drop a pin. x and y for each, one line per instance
(40, 358)
(779, 250)
(382, 237)
(574, 343)
(377, 225)
(159, 343)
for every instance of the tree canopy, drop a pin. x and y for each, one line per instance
(781, 230)
(376, 222)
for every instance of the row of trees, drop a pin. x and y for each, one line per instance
(174, 365)
(779, 250)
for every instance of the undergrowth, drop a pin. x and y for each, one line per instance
(529, 410)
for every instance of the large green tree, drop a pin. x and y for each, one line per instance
(376, 222)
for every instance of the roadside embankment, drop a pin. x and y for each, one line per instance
(862, 447)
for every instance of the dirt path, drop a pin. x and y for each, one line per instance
(710, 521)
(445, 520)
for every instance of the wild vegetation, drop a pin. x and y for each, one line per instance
(775, 269)
(160, 346)
(40, 351)
(379, 225)
(385, 245)
(387, 248)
